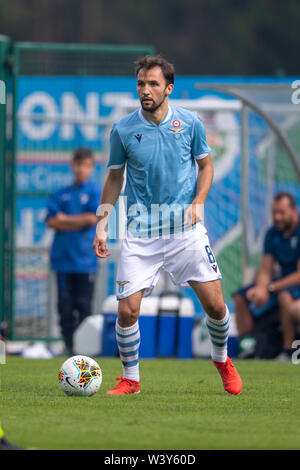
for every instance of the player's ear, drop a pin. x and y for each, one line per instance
(170, 88)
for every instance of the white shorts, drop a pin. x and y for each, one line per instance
(185, 256)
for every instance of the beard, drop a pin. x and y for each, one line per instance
(284, 226)
(153, 107)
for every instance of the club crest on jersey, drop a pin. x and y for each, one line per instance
(176, 126)
(294, 242)
(121, 285)
(84, 198)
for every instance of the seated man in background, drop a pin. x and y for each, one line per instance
(281, 254)
(71, 213)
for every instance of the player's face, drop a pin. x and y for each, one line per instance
(82, 170)
(152, 88)
(283, 214)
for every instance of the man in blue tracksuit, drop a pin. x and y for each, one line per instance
(71, 213)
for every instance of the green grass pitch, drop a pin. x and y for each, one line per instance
(182, 406)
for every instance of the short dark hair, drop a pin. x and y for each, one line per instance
(286, 195)
(148, 62)
(82, 153)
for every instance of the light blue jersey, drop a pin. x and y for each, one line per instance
(161, 174)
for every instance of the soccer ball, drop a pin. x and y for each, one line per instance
(80, 375)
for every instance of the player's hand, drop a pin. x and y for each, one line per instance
(62, 216)
(193, 214)
(259, 295)
(99, 245)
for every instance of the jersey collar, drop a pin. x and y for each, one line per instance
(146, 121)
(80, 185)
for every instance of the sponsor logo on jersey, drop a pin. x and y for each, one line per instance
(138, 137)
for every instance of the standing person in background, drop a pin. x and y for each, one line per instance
(71, 213)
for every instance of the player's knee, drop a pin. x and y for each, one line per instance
(127, 315)
(284, 297)
(295, 310)
(216, 310)
(241, 307)
(239, 299)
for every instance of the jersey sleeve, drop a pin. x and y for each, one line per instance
(53, 206)
(200, 148)
(117, 157)
(268, 243)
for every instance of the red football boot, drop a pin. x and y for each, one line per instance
(231, 380)
(124, 387)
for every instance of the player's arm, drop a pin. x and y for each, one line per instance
(110, 194)
(259, 294)
(264, 274)
(201, 152)
(290, 280)
(65, 222)
(204, 179)
(204, 182)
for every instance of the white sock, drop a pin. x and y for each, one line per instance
(128, 340)
(218, 331)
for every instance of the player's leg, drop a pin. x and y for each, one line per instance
(217, 316)
(128, 339)
(83, 289)
(243, 315)
(138, 272)
(190, 261)
(65, 309)
(295, 311)
(288, 324)
(218, 321)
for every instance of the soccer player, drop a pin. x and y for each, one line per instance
(160, 146)
(71, 213)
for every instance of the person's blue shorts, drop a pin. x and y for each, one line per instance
(272, 302)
